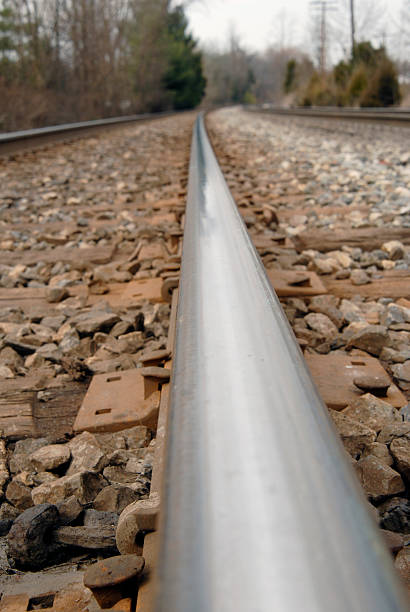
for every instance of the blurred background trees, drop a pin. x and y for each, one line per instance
(69, 60)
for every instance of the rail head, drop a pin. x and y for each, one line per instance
(11, 142)
(261, 509)
(389, 115)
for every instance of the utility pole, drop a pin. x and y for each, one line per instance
(352, 25)
(321, 7)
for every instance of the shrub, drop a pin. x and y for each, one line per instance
(383, 88)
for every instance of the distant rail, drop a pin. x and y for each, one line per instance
(11, 142)
(261, 508)
(391, 116)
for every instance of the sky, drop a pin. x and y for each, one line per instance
(258, 23)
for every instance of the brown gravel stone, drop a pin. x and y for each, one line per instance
(380, 451)
(400, 449)
(378, 479)
(355, 436)
(371, 339)
(50, 457)
(373, 412)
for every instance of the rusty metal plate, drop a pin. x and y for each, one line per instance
(334, 374)
(144, 289)
(14, 603)
(116, 401)
(289, 283)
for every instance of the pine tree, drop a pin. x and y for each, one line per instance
(183, 79)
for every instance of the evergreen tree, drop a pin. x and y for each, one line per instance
(183, 79)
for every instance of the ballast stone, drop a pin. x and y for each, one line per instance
(85, 486)
(372, 412)
(354, 435)
(50, 457)
(378, 479)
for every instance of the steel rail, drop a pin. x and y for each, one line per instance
(17, 141)
(396, 116)
(261, 510)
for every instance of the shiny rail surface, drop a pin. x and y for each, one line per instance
(261, 508)
(392, 116)
(17, 141)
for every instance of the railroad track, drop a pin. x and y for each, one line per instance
(381, 116)
(260, 506)
(13, 142)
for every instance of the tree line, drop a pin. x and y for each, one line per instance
(70, 60)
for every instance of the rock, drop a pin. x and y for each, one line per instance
(371, 339)
(100, 518)
(343, 259)
(25, 478)
(359, 277)
(50, 457)
(394, 541)
(394, 249)
(20, 460)
(54, 322)
(6, 372)
(323, 266)
(372, 412)
(93, 321)
(10, 358)
(69, 510)
(321, 324)
(327, 305)
(110, 442)
(29, 445)
(401, 371)
(378, 385)
(136, 437)
(351, 312)
(115, 498)
(395, 514)
(28, 542)
(116, 474)
(5, 526)
(402, 565)
(19, 495)
(7, 511)
(392, 431)
(378, 479)
(56, 294)
(354, 435)
(41, 477)
(400, 449)
(395, 314)
(4, 472)
(87, 454)
(85, 486)
(380, 451)
(94, 538)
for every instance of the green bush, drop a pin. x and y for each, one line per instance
(357, 84)
(383, 88)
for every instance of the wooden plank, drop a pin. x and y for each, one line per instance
(334, 374)
(16, 416)
(394, 284)
(94, 255)
(367, 239)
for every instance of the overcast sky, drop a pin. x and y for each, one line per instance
(259, 23)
